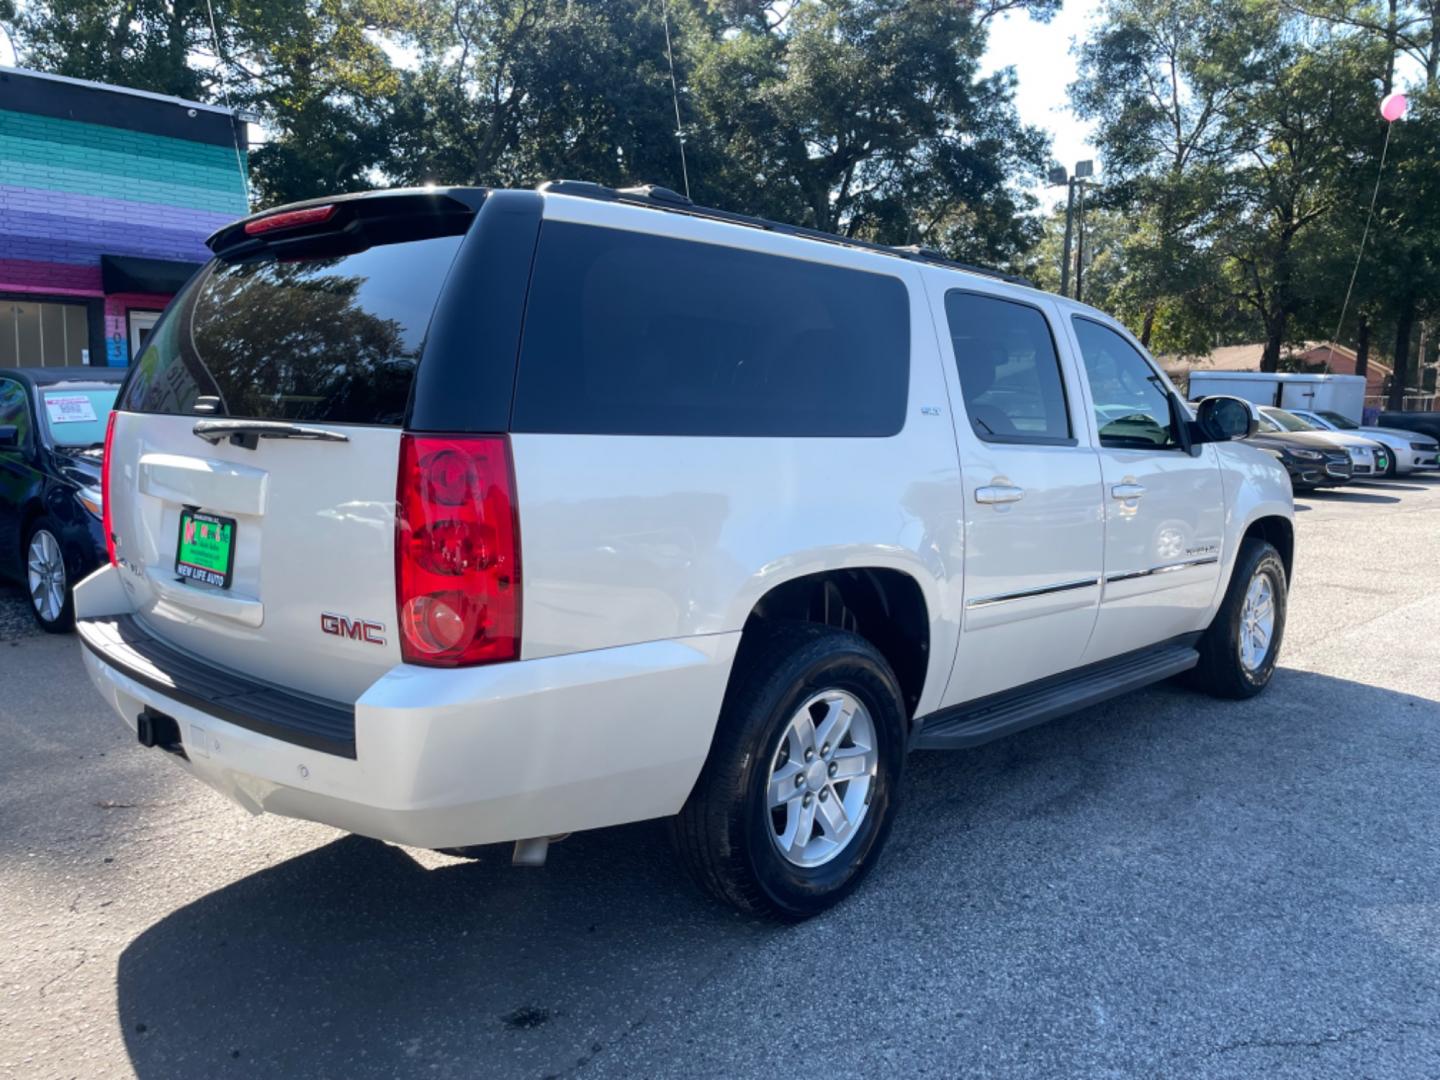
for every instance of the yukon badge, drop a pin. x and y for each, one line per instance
(372, 633)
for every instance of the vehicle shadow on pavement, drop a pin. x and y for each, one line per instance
(1262, 869)
(1349, 495)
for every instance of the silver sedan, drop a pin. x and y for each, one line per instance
(1410, 451)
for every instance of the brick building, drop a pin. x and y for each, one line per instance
(106, 197)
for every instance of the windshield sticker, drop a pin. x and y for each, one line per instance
(69, 408)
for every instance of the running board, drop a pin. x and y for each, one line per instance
(974, 723)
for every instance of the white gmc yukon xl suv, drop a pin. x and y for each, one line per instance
(455, 517)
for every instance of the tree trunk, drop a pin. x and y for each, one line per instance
(1274, 339)
(1146, 325)
(1402, 357)
(1362, 346)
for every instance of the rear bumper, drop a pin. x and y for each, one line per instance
(478, 755)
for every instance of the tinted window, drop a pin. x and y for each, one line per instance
(1344, 423)
(1009, 372)
(1287, 420)
(1132, 402)
(13, 411)
(632, 334)
(332, 338)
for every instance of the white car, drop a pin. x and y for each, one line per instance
(455, 517)
(1410, 451)
(1367, 456)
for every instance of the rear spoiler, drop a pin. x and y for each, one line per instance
(350, 222)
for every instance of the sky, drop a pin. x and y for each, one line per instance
(1045, 67)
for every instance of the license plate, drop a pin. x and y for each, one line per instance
(205, 551)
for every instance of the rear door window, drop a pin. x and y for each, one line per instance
(1009, 370)
(313, 339)
(632, 334)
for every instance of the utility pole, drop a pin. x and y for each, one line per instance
(1058, 176)
(1080, 244)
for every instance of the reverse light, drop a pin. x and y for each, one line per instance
(457, 551)
(290, 219)
(107, 526)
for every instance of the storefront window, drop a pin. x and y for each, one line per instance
(36, 333)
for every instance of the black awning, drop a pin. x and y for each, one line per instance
(130, 273)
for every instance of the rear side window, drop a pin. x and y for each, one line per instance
(321, 339)
(632, 334)
(1009, 371)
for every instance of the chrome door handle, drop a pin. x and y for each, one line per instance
(999, 493)
(1127, 491)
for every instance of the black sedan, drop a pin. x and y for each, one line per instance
(1311, 459)
(52, 437)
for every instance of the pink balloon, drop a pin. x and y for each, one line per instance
(1393, 107)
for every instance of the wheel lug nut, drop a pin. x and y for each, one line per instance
(810, 754)
(824, 794)
(807, 800)
(834, 768)
(800, 780)
(825, 750)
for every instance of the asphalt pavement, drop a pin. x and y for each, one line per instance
(1166, 885)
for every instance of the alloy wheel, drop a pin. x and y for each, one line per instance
(821, 776)
(1257, 622)
(46, 575)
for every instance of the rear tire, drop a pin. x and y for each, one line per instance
(1392, 463)
(769, 828)
(47, 579)
(1234, 661)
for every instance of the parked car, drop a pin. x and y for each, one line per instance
(1426, 423)
(1367, 457)
(679, 526)
(1408, 451)
(52, 425)
(1310, 459)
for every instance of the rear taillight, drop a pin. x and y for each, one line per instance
(106, 519)
(457, 551)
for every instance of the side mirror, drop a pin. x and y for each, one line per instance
(1222, 418)
(9, 437)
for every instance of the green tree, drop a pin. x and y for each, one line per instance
(1161, 79)
(870, 118)
(145, 44)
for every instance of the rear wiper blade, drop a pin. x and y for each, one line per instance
(248, 433)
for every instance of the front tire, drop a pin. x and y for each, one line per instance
(797, 796)
(47, 580)
(1239, 650)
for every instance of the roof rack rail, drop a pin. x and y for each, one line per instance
(656, 197)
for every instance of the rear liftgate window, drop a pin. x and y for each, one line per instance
(333, 338)
(632, 334)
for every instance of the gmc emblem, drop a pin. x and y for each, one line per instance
(372, 633)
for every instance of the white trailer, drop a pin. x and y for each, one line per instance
(1344, 394)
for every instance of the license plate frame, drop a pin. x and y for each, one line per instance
(199, 558)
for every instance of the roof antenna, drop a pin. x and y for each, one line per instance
(225, 92)
(675, 96)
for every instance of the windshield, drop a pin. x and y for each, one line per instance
(77, 417)
(1344, 423)
(1287, 420)
(1264, 423)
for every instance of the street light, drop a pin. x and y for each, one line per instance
(1057, 176)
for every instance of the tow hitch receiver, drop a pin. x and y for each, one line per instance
(156, 729)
